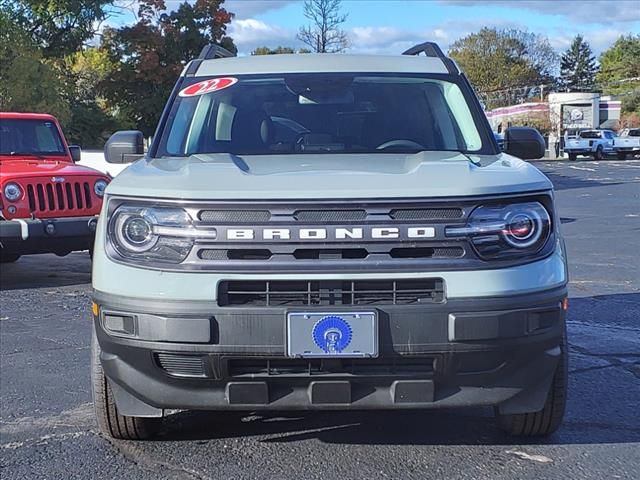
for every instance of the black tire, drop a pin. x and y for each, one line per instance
(110, 422)
(8, 257)
(573, 157)
(548, 420)
(622, 156)
(599, 154)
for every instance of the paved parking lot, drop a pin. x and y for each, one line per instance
(46, 420)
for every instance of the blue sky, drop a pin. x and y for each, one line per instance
(389, 26)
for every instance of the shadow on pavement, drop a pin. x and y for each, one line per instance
(49, 271)
(566, 182)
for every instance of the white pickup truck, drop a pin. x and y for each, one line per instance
(591, 143)
(628, 143)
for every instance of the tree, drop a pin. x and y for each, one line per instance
(324, 35)
(620, 72)
(151, 54)
(505, 66)
(272, 51)
(58, 27)
(92, 119)
(27, 81)
(578, 67)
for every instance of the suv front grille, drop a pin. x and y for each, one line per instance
(427, 214)
(234, 216)
(407, 366)
(322, 216)
(280, 293)
(179, 365)
(355, 250)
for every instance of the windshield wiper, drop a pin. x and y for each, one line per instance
(27, 154)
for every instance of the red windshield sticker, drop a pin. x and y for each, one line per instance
(208, 86)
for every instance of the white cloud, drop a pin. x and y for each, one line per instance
(604, 12)
(251, 8)
(395, 40)
(250, 33)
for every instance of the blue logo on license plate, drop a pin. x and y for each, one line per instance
(332, 334)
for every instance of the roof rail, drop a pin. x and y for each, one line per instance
(210, 52)
(432, 49)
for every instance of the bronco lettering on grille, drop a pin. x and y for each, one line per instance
(334, 233)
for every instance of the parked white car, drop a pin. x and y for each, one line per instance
(628, 143)
(591, 143)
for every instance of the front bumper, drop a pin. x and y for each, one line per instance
(499, 351)
(49, 235)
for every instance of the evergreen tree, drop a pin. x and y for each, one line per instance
(578, 67)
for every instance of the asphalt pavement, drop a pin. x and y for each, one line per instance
(47, 429)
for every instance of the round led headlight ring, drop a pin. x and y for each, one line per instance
(523, 229)
(134, 233)
(12, 192)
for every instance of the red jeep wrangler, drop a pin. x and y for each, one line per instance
(47, 203)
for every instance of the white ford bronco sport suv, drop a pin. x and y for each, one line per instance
(311, 232)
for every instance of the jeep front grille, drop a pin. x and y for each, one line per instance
(59, 197)
(280, 293)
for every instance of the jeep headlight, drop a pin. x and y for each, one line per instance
(152, 234)
(503, 231)
(12, 192)
(99, 187)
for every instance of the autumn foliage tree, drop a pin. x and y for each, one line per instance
(151, 54)
(505, 66)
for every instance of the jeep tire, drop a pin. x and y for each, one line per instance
(622, 156)
(110, 422)
(548, 420)
(573, 157)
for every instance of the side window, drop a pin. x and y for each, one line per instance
(181, 123)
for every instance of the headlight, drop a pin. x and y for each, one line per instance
(12, 192)
(153, 234)
(99, 187)
(515, 230)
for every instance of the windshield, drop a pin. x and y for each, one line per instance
(319, 113)
(20, 136)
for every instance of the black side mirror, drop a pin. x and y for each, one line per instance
(125, 146)
(75, 152)
(525, 143)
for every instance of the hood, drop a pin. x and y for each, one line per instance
(425, 174)
(31, 167)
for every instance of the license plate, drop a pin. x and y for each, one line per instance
(346, 334)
